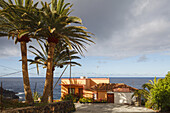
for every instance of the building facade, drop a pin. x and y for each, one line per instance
(98, 89)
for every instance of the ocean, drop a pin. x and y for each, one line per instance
(16, 84)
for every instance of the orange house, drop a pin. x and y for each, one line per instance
(98, 88)
(81, 86)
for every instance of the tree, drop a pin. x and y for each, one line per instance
(158, 93)
(60, 58)
(147, 87)
(56, 26)
(138, 94)
(13, 24)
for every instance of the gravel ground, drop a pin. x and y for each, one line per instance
(109, 108)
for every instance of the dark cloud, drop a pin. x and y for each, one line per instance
(123, 28)
(144, 30)
(8, 48)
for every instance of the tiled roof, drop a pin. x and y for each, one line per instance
(114, 87)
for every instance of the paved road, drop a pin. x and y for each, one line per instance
(109, 108)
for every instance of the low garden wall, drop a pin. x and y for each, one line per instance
(58, 107)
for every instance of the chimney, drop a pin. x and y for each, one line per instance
(83, 77)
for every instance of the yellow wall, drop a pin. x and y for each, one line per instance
(64, 89)
(85, 82)
(95, 81)
(88, 84)
(87, 94)
(73, 81)
(102, 95)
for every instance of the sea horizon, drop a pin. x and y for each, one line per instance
(16, 83)
(91, 77)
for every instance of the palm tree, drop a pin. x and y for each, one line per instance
(147, 88)
(138, 94)
(13, 25)
(151, 84)
(60, 58)
(149, 92)
(55, 26)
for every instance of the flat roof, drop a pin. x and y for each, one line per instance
(85, 78)
(71, 84)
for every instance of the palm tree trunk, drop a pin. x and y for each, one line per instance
(49, 75)
(51, 89)
(27, 89)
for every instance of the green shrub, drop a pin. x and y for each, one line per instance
(8, 103)
(56, 100)
(74, 98)
(85, 100)
(100, 101)
(36, 95)
(158, 94)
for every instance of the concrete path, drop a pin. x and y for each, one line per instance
(109, 108)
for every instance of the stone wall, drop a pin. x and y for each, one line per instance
(58, 107)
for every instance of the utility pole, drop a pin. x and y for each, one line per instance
(1, 97)
(70, 75)
(68, 52)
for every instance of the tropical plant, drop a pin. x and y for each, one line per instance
(71, 97)
(13, 24)
(60, 58)
(100, 101)
(55, 26)
(68, 97)
(147, 87)
(36, 95)
(85, 100)
(138, 94)
(158, 93)
(56, 100)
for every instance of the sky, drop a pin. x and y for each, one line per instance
(131, 36)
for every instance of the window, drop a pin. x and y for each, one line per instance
(72, 91)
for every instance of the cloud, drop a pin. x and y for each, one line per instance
(142, 59)
(140, 6)
(101, 62)
(8, 48)
(145, 32)
(122, 28)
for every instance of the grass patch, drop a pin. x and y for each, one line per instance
(11, 104)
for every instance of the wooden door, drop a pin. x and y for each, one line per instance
(80, 92)
(110, 98)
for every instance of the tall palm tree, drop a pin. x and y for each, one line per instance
(14, 25)
(60, 58)
(55, 26)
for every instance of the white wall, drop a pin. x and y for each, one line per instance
(120, 98)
